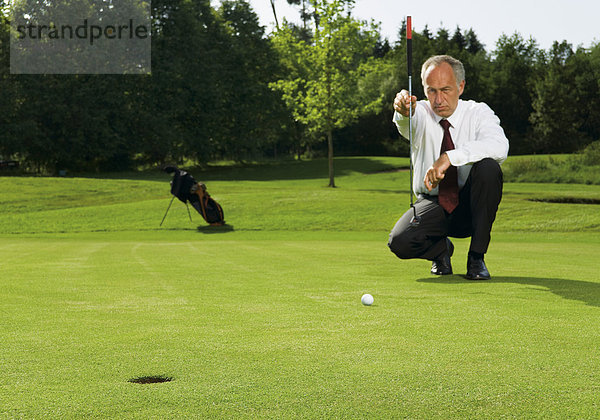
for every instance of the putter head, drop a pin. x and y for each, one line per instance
(416, 220)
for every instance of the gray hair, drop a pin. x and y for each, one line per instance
(436, 60)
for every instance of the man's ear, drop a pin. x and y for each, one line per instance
(461, 88)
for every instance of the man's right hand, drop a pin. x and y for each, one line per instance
(403, 101)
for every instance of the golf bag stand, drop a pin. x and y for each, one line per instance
(187, 190)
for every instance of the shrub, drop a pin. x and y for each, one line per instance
(526, 166)
(591, 154)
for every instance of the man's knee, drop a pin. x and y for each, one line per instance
(487, 170)
(400, 244)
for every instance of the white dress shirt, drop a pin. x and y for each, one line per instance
(475, 131)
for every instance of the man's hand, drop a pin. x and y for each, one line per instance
(437, 172)
(402, 102)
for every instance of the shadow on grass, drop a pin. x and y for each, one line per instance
(266, 171)
(583, 291)
(216, 229)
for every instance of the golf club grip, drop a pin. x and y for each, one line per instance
(409, 44)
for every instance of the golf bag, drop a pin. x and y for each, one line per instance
(186, 189)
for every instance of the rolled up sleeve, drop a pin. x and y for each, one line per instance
(487, 141)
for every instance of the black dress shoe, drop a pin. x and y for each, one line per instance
(476, 269)
(441, 266)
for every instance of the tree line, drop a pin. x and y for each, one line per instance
(223, 88)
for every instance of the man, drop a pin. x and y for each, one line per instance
(457, 150)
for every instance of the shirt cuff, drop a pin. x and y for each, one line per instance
(398, 117)
(457, 157)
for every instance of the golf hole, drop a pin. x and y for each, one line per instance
(150, 379)
(567, 200)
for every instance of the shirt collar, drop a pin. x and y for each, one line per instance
(454, 118)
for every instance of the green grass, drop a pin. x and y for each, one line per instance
(263, 319)
(582, 168)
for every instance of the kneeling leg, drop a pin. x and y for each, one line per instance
(425, 239)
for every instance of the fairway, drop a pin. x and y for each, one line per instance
(263, 319)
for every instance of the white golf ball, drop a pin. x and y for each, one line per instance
(367, 299)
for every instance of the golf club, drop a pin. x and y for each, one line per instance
(415, 220)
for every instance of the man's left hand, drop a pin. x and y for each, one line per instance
(437, 172)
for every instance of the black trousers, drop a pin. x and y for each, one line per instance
(478, 203)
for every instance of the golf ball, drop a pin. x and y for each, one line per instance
(367, 299)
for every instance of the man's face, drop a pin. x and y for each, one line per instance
(441, 89)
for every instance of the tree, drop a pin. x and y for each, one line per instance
(9, 143)
(426, 33)
(443, 43)
(555, 126)
(305, 14)
(254, 113)
(321, 89)
(565, 105)
(458, 40)
(473, 45)
(509, 87)
(586, 93)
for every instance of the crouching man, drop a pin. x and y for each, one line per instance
(457, 150)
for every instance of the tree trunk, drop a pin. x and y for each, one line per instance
(304, 17)
(330, 156)
(316, 18)
(275, 14)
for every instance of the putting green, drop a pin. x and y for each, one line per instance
(264, 319)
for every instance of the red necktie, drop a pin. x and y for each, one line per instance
(448, 187)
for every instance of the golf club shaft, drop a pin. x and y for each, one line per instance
(409, 68)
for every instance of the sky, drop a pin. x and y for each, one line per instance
(575, 21)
